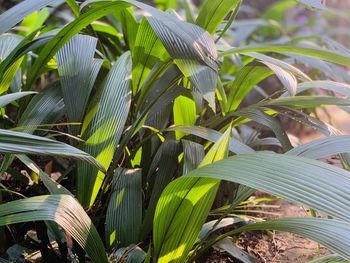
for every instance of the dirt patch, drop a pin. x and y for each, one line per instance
(281, 247)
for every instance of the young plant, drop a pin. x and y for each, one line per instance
(150, 114)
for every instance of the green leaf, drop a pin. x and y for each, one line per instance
(7, 99)
(185, 114)
(323, 54)
(245, 81)
(329, 259)
(193, 155)
(287, 79)
(8, 43)
(306, 101)
(103, 127)
(280, 63)
(78, 71)
(17, 13)
(231, 248)
(213, 12)
(183, 207)
(21, 143)
(338, 87)
(129, 26)
(34, 21)
(147, 51)
(45, 107)
(65, 34)
(162, 170)
(313, 183)
(268, 121)
(62, 209)
(235, 145)
(325, 147)
(124, 212)
(74, 6)
(192, 49)
(14, 49)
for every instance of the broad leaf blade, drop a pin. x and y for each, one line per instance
(147, 51)
(246, 79)
(7, 99)
(17, 13)
(78, 70)
(235, 145)
(213, 12)
(323, 147)
(62, 209)
(183, 208)
(21, 143)
(185, 114)
(124, 212)
(313, 183)
(323, 54)
(103, 127)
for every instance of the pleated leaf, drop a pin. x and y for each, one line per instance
(186, 204)
(268, 121)
(78, 71)
(329, 259)
(287, 79)
(213, 12)
(211, 135)
(65, 34)
(280, 63)
(323, 54)
(312, 183)
(193, 155)
(306, 101)
(192, 49)
(45, 107)
(161, 172)
(21, 143)
(62, 209)
(323, 147)
(124, 212)
(17, 13)
(103, 127)
(8, 42)
(246, 79)
(341, 88)
(7, 99)
(147, 51)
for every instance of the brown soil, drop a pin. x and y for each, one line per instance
(281, 247)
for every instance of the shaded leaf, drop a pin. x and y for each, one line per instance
(78, 70)
(21, 143)
(62, 209)
(124, 212)
(103, 127)
(17, 13)
(7, 99)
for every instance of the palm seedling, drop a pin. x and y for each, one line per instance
(146, 115)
